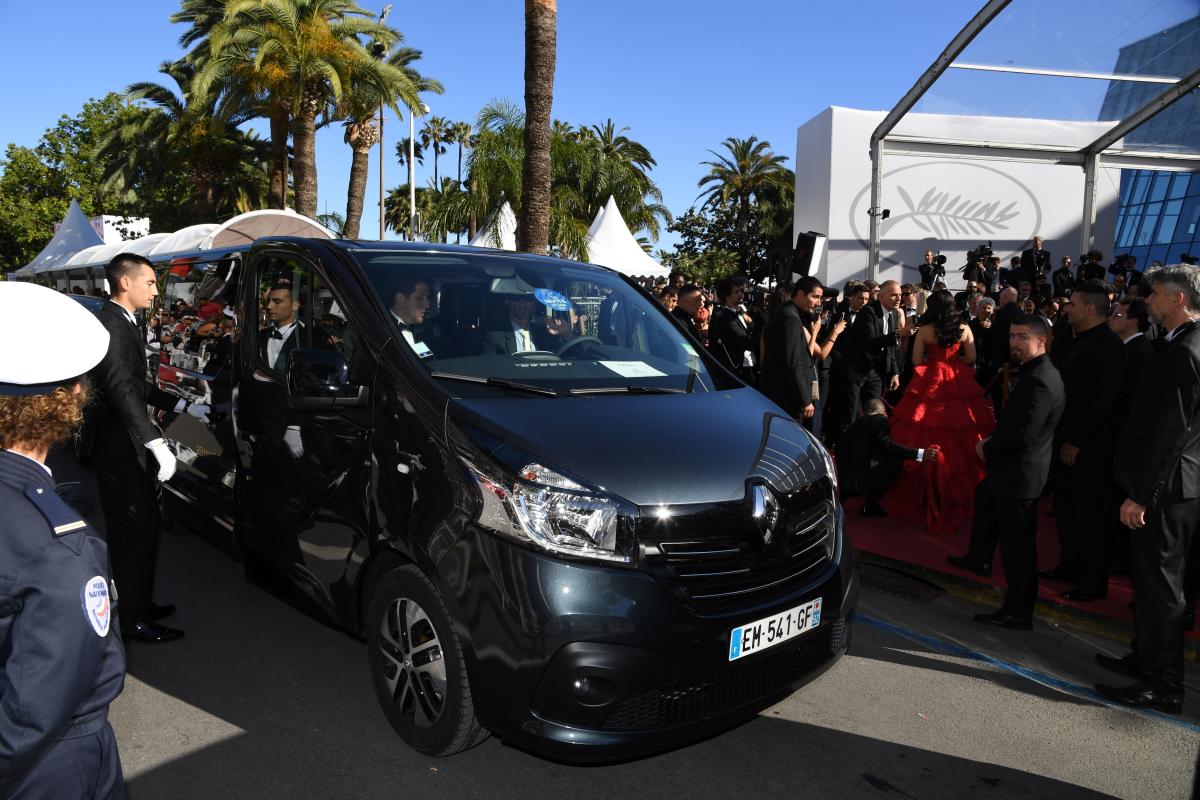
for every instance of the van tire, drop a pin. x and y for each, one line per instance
(405, 604)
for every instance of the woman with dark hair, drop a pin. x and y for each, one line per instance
(944, 408)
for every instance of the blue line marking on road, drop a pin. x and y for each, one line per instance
(959, 651)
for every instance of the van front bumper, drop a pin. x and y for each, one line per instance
(593, 663)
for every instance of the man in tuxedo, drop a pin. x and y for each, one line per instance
(689, 307)
(788, 371)
(1158, 472)
(869, 461)
(1092, 269)
(1092, 367)
(522, 335)
(1129, 321)
(282, 333)
(1018, 458)
(730, 331)
(930, 271)
(871, 365)
(1062, 280)
(1035, 261)
(128, 450)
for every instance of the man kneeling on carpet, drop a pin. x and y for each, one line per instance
(869, 461)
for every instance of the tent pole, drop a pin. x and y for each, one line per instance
(1086, 232)
(874, 211)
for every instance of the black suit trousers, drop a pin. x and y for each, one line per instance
(1083, 514)
(1160, 553)
(129, 500)
(1012, 522)
(845, 405)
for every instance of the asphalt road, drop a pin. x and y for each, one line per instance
(262, 701)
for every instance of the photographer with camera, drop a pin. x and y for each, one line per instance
(932, 270)
(731, 329)
(1035, 261)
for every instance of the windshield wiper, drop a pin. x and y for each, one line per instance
(499, 383)
(629, 390)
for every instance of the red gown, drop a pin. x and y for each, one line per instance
(944, 406)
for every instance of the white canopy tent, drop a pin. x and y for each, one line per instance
(185, 239)
(245, 228)
(610, 244)
(74, 234)
(500, 231)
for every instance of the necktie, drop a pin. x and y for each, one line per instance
(275, 334)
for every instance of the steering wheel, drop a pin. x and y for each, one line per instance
(578, 340)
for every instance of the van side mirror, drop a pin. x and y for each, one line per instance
(319, 379)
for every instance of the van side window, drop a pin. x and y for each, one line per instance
(285, 310)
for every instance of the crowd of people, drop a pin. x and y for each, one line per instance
(1078, 384)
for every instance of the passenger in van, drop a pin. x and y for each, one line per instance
(277, 338)
(523, 335)
(409, 306)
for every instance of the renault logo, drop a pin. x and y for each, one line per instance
(765, 510)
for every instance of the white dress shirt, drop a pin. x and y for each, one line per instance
(275, 345)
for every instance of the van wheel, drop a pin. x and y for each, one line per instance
(417, 666)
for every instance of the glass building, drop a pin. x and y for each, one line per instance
(1158, 217)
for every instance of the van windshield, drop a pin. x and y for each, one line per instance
(535, 327)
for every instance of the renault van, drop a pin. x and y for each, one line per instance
(550, 514)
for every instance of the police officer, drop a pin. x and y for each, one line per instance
(61, 658)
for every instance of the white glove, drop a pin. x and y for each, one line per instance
(166, 459)
(199, 411)
(293, 442)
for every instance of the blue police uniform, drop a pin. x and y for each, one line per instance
(61, 657)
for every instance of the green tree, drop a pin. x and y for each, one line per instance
(359, 107)
(183, 132)
(533, 217)
(314, 48)
(33, 196)
(435, 135)
(748, 173)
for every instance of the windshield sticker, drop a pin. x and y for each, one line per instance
(633, 369)
(688, 349)
(552, 299)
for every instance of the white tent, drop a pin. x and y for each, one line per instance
(610, 244)
(245, 228)
(499, 231)
(185, 239)
(74, 234)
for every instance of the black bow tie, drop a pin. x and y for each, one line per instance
(275, 334)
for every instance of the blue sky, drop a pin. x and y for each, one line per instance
(682, 76)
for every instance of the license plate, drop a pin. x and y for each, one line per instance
(775, 629)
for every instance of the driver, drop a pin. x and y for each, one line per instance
(522, 335)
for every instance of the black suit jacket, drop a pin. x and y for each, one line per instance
(729, 338)
(685, 319)
(1092, 367)
(1035, 262)
(504, 342)
(867, 442)
(1020, 451)
(1139, 353)
(872, 349)
(1159, 463)
(117, 424)
(787, 372)
(1090, 272)
(1063, 282)
(289, 344)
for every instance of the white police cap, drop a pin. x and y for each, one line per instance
(49, 339)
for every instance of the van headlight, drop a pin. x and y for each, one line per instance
(553, 512)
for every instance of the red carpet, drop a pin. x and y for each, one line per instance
(907, 542)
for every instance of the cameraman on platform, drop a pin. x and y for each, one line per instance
(933, 269)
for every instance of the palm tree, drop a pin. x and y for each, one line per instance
(194, 134)
(314, 48)
(265, 91)
(533, 221)
(750, 172)
(402, 152)
(358, 108)
(463, 134)
(435, 135)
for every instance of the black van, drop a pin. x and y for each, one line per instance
(550, 513)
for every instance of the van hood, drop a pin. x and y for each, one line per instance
(656, 449)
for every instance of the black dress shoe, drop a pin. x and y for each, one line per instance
(1057, 574)
(962, 562)
(1122, 666)
(152, 632)
(1082, 595)
(873, 510)
(1140, 695)
(156, 612)
(1003, 619)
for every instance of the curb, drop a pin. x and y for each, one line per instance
(985, 594)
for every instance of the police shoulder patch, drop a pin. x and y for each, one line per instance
(96, 606)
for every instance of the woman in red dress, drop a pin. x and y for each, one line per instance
(942, 407)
